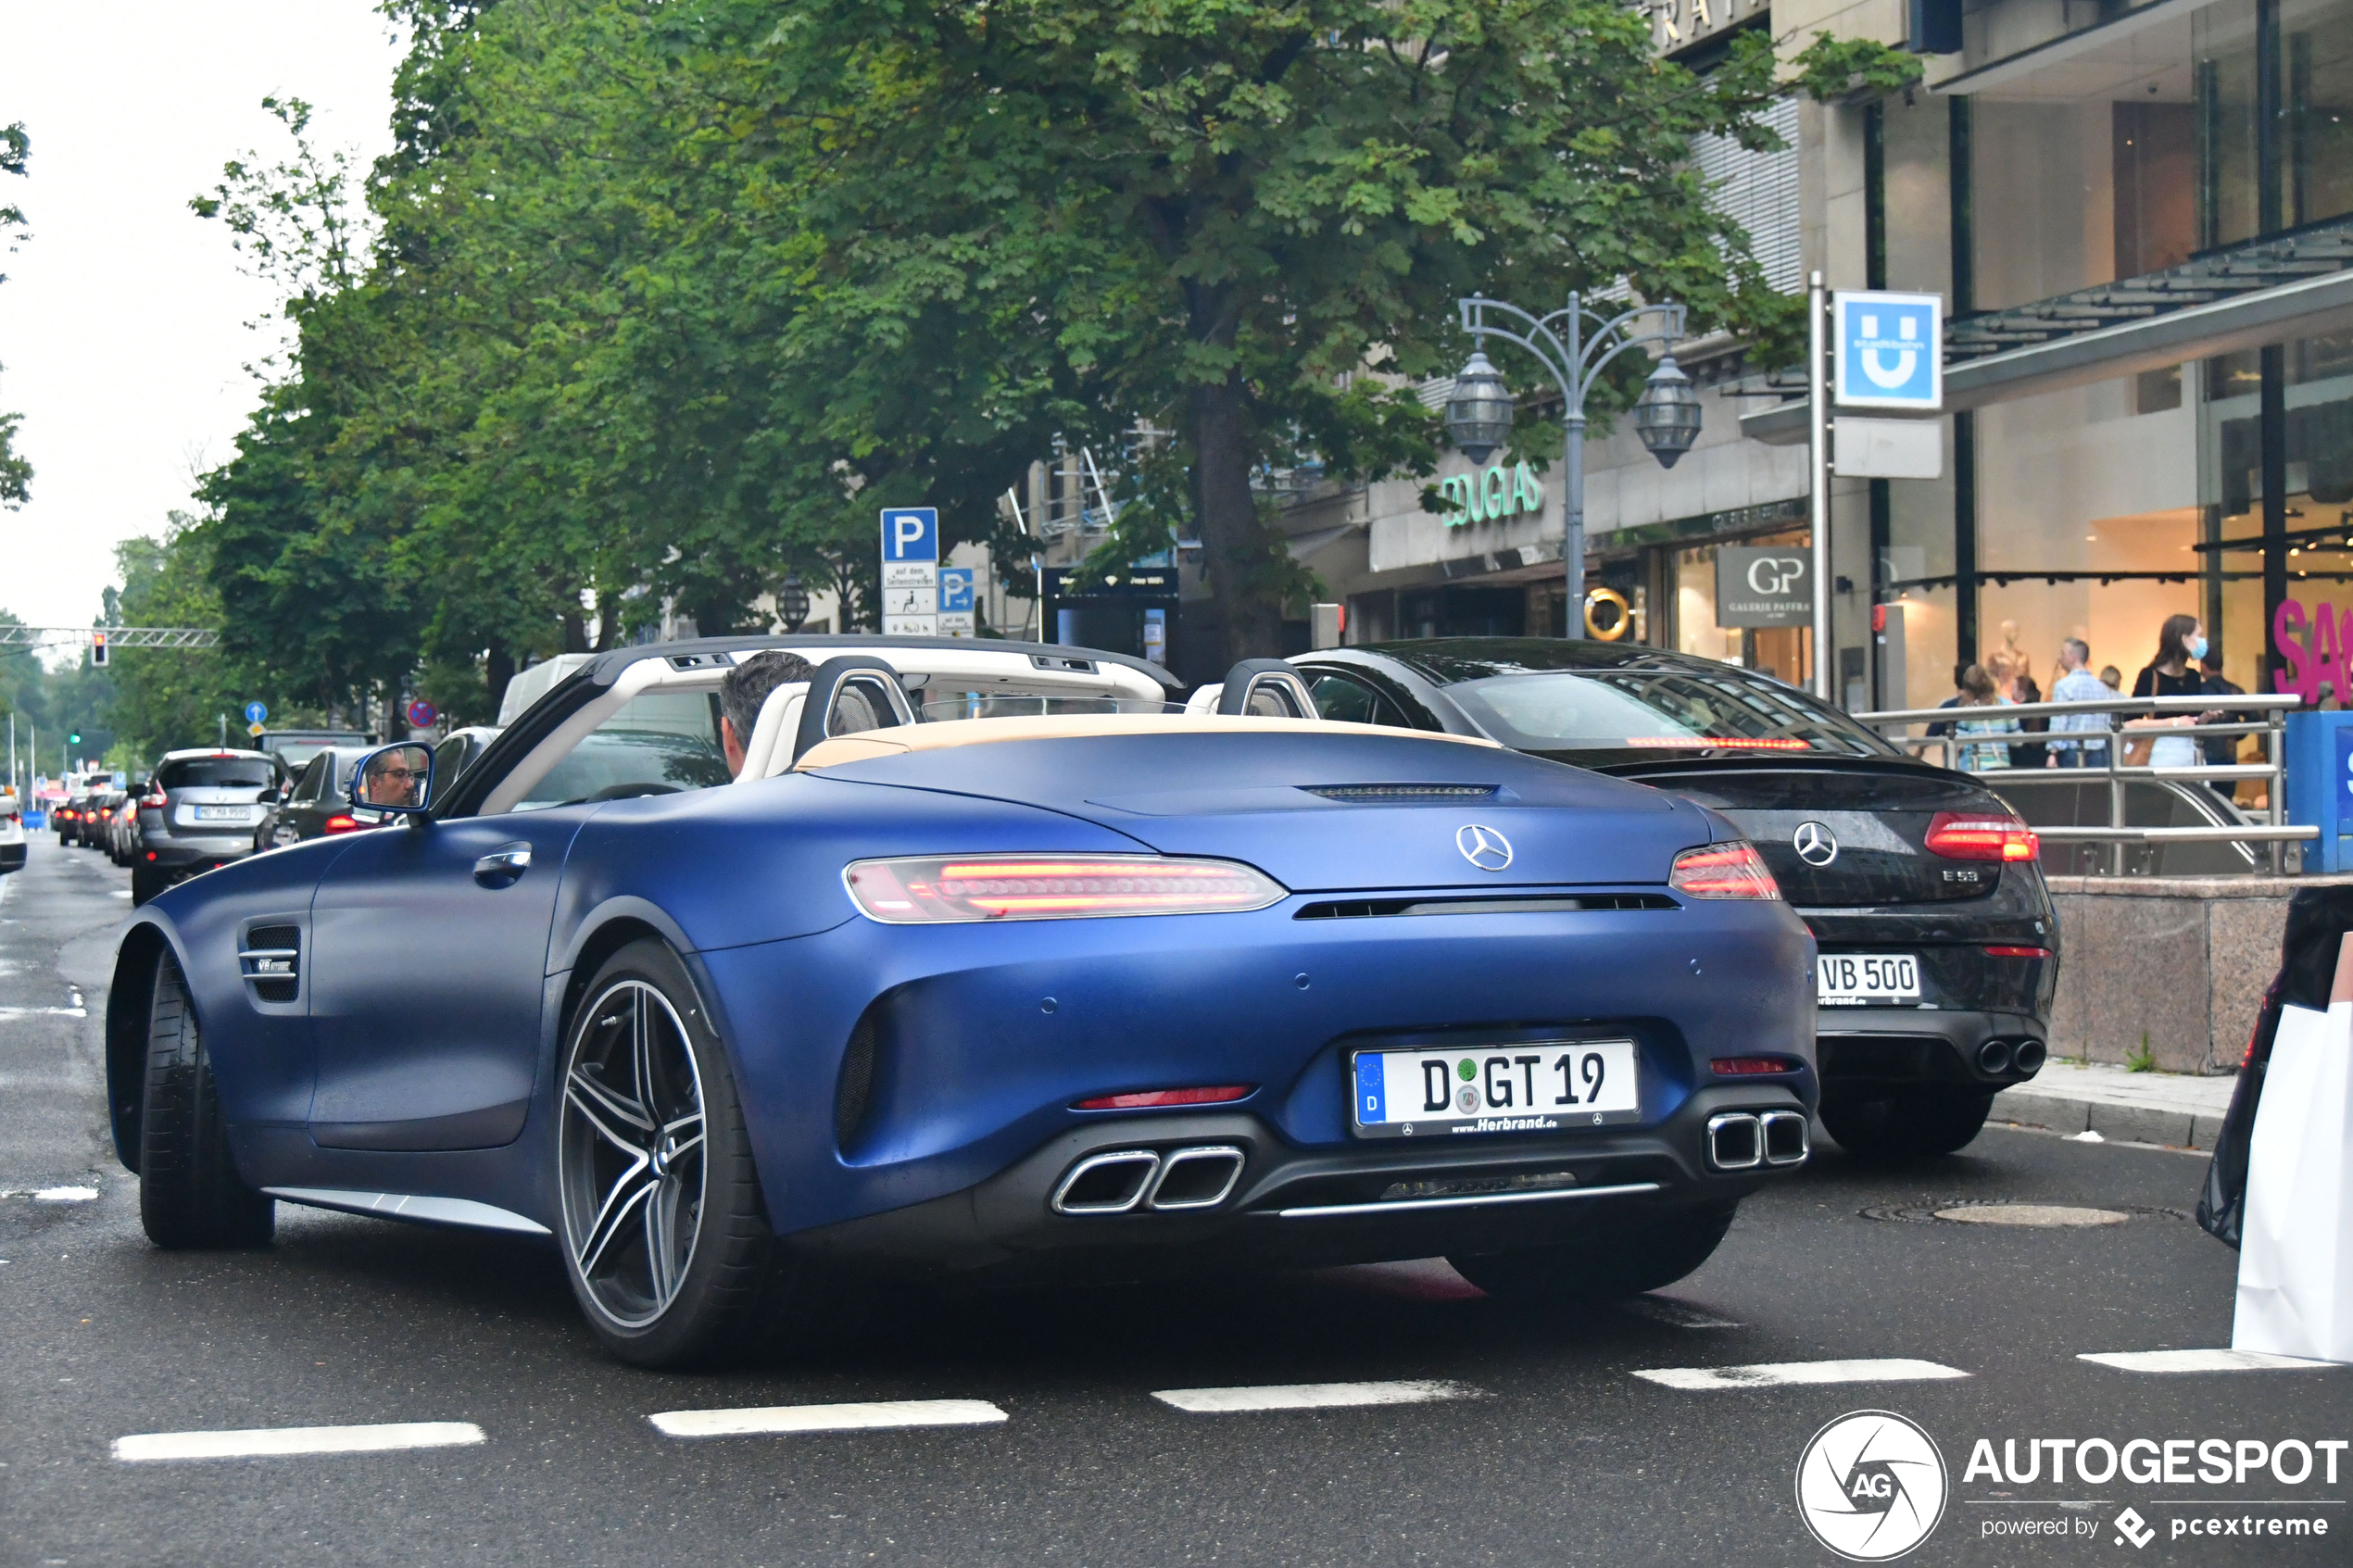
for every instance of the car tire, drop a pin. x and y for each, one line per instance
(642, 1066)
(1616, 1260)
(1905, 1126)
(190, 1195)
(145, 883)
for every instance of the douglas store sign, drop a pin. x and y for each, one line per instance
(1491, 494)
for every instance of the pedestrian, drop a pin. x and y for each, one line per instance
(2181, 643)
(2113, 679)
(1980, 692)
(2221, 751)
(2077, 684)
(2016, 681)
(1959, 694)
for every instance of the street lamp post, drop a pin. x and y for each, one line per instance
(1479, 415)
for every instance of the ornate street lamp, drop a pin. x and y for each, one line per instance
(1667, 417)
(792, 603)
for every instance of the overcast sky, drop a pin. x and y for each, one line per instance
(122, 327)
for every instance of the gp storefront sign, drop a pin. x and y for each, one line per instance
(1491, 494)
(1772, 586)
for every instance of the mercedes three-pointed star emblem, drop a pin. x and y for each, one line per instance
(1814, 843)
(1483, 847)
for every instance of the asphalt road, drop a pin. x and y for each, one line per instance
(1550, 1448)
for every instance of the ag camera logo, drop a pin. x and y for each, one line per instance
(1871, 1486)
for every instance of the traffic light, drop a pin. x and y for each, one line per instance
(98, 649)
(74, 739)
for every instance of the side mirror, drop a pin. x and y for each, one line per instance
(397, 780)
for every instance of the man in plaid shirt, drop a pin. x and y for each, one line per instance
(2078, 684)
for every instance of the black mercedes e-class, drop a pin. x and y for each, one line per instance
(1939, 945)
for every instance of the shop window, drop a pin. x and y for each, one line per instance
(1780, 651)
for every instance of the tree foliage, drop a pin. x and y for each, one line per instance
(15, 473)
(654, 304)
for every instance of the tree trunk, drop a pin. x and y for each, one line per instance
(1235, 541)
(498, 667)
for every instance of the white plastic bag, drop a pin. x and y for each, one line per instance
(2295, 1257)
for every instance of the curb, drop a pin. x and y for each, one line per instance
(2126, 1124)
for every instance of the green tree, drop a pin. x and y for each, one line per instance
(168, 698)
(15, 473)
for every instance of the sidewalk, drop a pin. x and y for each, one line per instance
(2162, 1108)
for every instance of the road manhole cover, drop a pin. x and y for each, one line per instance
(2002, 1211)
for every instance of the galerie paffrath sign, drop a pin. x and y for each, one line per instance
(1889, 350)
(1769, 586)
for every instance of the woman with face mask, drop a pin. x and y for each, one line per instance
(2173, 672)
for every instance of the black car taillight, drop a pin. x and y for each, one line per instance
(1980, 835)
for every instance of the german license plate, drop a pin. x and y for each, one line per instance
(1534, 1087)
(222, 813)
(1851, 979)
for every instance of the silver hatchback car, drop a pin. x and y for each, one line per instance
(200, 812)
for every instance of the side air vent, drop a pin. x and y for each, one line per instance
(1403, 793)
(854, 1091)
(271, 962)
(1541, 904)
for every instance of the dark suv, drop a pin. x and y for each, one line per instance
(1939, 944)
(200, 812)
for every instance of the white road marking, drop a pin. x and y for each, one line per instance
(1785, 1375)
(66, 1194)
(262, 1442)
(878, 1414)
(1314, 1395)
(45, 1012)
(1674, 1313)
(2198, 1360)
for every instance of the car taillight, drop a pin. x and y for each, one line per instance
(931, 888)
(1964, 835)
(1723, 870)
(340, 824)
(2017, 952)
(1751, 1066)
(1223, 1094)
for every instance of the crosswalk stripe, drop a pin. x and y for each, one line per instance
(264, 1442)
(1312, 1396)
(1784, 1374)
(851, 1417)
(2199, 1361)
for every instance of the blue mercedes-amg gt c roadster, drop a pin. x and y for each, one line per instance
(739, 961)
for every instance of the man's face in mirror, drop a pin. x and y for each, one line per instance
(395, 778)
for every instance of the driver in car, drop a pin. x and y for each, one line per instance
(393, 778)
(745, 689)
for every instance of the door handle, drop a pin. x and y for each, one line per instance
(501, 867)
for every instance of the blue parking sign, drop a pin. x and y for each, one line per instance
(1889, 350)
(956, 590)
(909, 533)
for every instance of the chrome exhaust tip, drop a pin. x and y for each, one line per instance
(1200, 1177)
(1106, 1184)
(2030, 1056)
(1993, 1057)
(1735, 1141)
(1788, 1139)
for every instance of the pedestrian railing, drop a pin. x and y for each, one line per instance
(2103, 756)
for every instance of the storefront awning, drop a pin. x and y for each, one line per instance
(2219, 304)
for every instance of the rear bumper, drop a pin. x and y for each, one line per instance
(12, 856)
(187, 852)
(1369, 1201)
(1865, 1052)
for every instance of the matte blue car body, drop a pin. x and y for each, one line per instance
(990, 1033)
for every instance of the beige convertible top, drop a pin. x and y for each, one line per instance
(891, 742)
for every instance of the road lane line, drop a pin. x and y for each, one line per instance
(2200, 1361)
(264, 1442)
(1314, 1395)
(880, 1414)
(66, 1194)
(1676, 1314)
(1786, 1374)
(45, 1012)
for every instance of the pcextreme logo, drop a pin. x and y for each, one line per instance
(1871, 1486)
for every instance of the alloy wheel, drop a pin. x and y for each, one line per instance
(632, 1153)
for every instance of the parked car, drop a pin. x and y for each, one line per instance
(200, 812)
(12, 842)
(314, 805)
(1092, 988)
(293, 748)
(1939, 943)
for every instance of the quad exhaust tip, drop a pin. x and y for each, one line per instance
(1198, 1176)
(1741, 1140)
(2029, 1056)
(1993, 1057)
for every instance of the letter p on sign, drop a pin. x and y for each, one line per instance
(909, 533)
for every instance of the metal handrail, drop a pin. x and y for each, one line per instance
(2109, 745)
